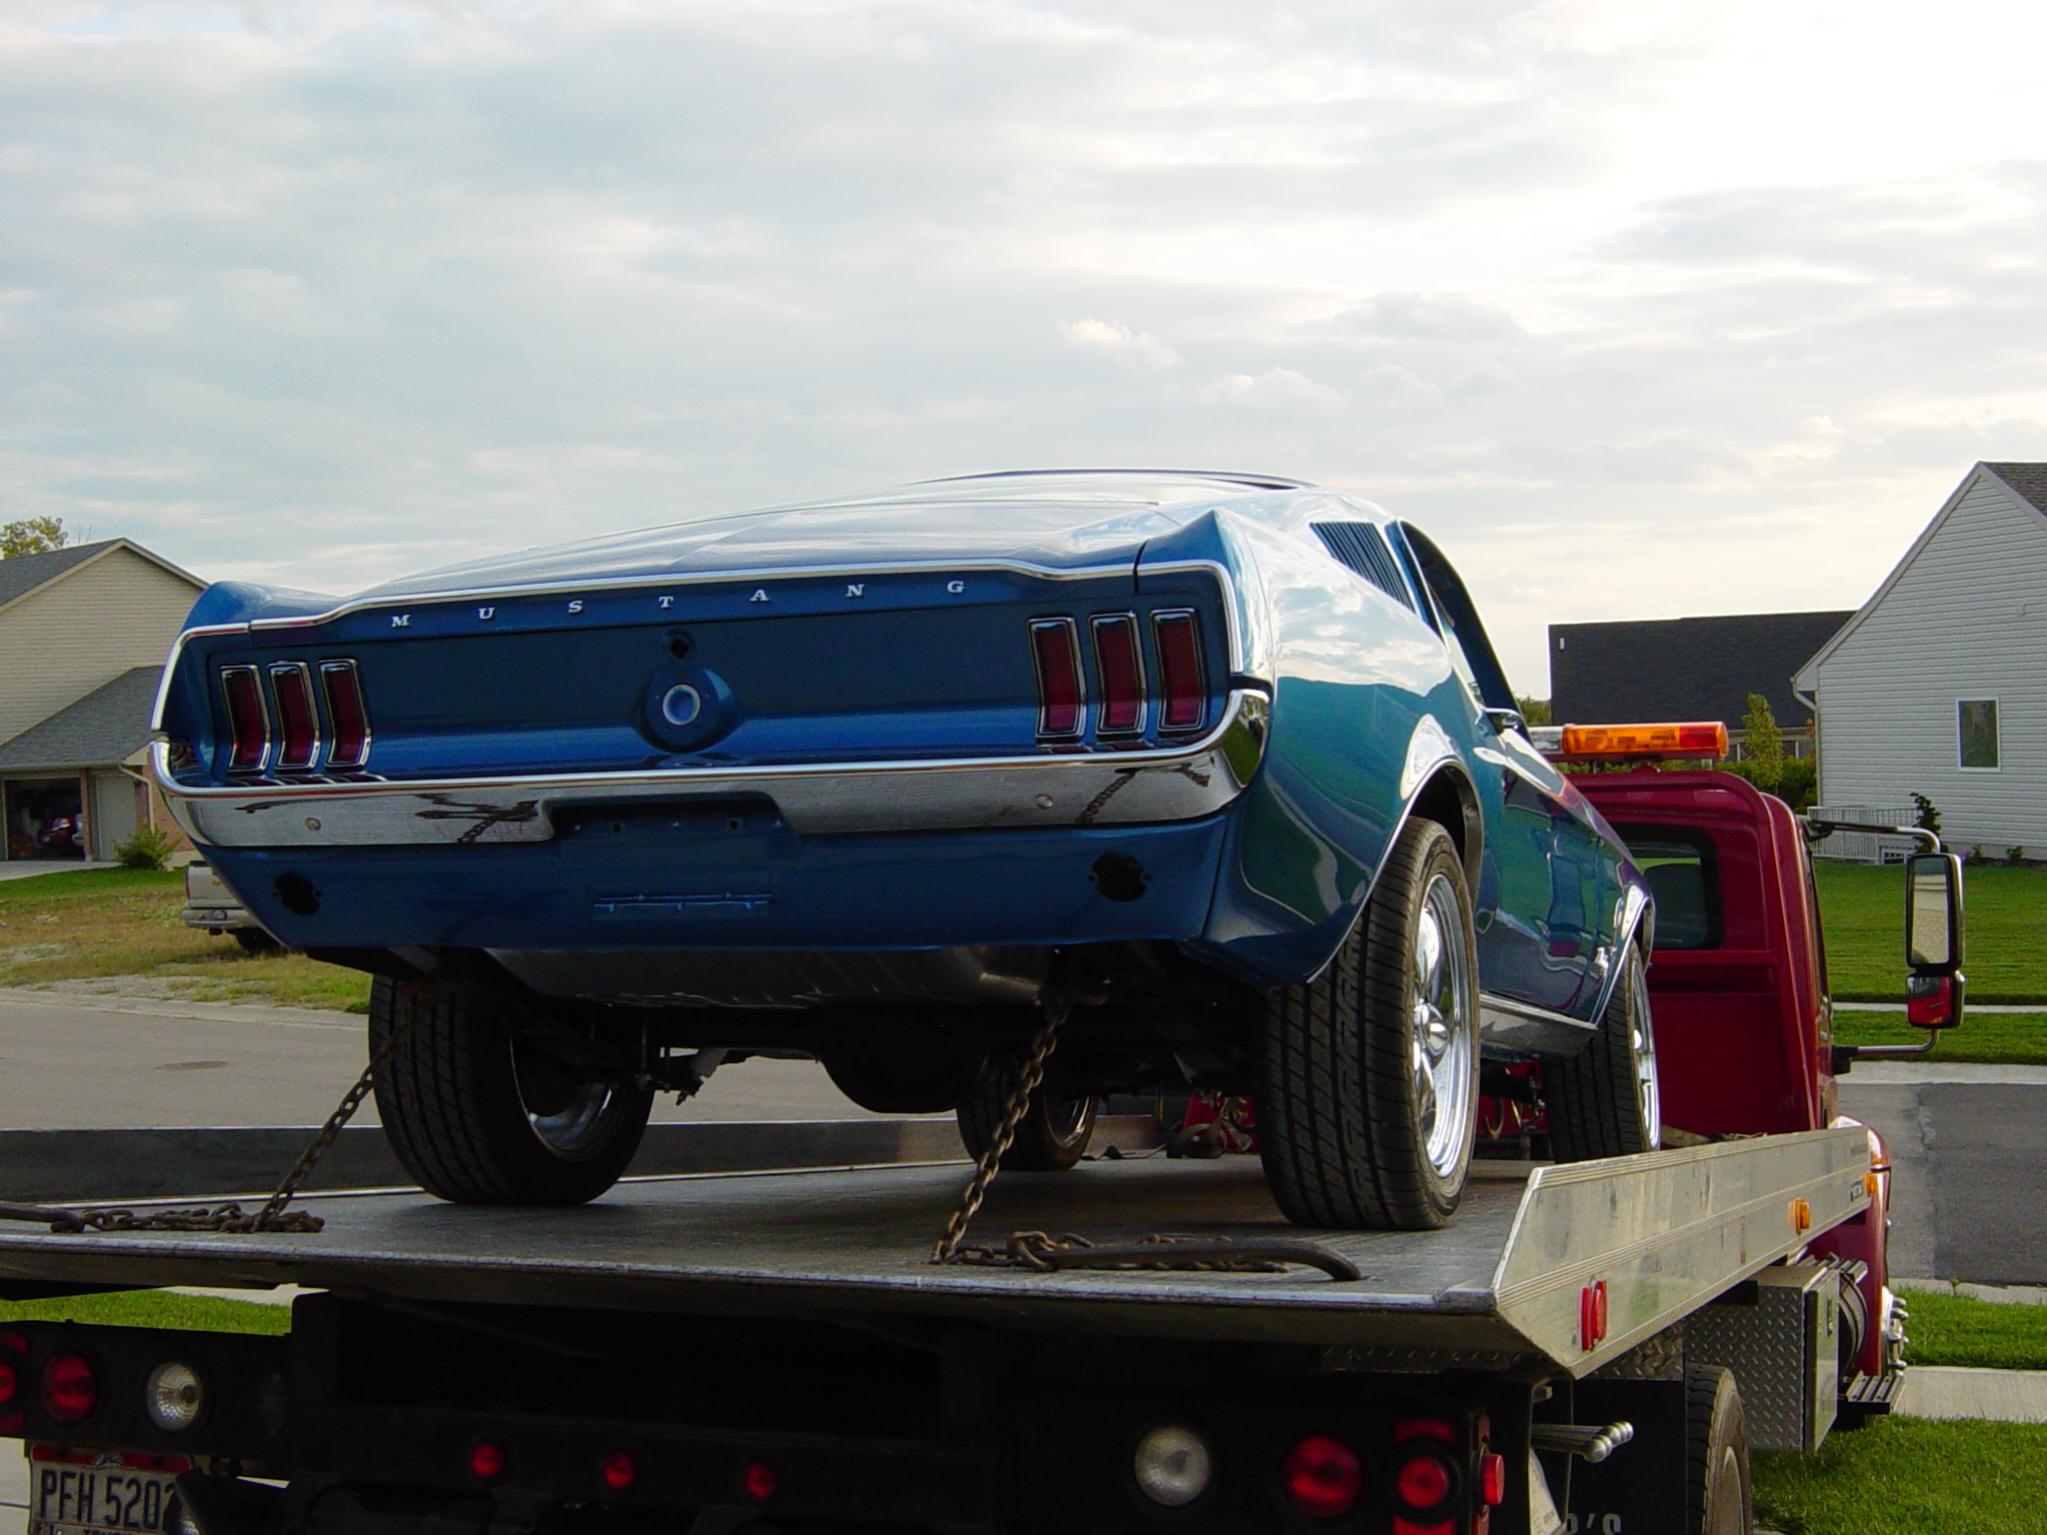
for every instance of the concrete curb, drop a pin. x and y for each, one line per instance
(1957, 1391)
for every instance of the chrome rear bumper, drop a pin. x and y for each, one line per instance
(1091, 788)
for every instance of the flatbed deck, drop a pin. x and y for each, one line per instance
(1500, 1285)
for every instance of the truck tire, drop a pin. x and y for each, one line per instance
(1718, 1500)
(480, 1117)
(1052, 1135)
(1604, 1101)
(1367, 1076)
(254, 940)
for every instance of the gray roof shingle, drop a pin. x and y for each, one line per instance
(104, 728)
(2029, 480)
(1683, 668)
(25, 572)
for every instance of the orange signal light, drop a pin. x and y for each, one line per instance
(1613, 743)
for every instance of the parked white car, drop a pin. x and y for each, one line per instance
(211, 905)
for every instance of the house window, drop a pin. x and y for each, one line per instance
(1976, 733)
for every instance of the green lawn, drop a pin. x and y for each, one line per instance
(1995, 1038)
(1909, 1476)
(1864, 911)
(155, 1308)
(1959, 1329)
(100, 923)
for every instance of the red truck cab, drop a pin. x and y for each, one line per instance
(1743, 1017)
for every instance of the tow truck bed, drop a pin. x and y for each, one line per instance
(1666, 1233)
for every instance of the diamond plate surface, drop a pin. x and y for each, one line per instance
(1784, 1349)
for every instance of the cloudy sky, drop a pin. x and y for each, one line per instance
(1643, 309)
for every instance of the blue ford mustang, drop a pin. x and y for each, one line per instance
(1221, 767)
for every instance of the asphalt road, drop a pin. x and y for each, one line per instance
(69, 1062)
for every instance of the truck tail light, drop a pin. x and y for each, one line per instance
(1173, 1465)
(297, 720)
(1183, 691)
(1425, 1482)
(1055, 650)
(487, 1461)
(1120, 660)
(758, 1481)
(351, 717)
(248, 722)
(13, 1355)
(1323, 1477)
(619, 1470)
(70, 1389)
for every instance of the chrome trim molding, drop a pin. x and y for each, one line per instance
(1076, 788)
(1132, 571)
(1516, 1025)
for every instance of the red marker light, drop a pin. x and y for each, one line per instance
(1322, 1477)
(1492, 1479)
(1183, 691)
(486, 1461)
(757, 1479)
(1592, 1315)
(350, 714)
(298, 721)
(619, 1471)
(70, 1390)
(247, 722)
(1121, 662)
(1055, 650)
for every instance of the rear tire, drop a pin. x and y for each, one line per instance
(1052, 1136)
(1604, 1101)
(1368, 1075)
(479, 1116)
(1718, 1498)
(254, 940)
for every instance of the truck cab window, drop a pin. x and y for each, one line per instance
(1682, 870)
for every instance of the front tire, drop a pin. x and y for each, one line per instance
(479, 1116)
(1052, 1136)
(1368, 1075)
(1605, 1101)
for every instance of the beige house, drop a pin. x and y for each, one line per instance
(83, 636)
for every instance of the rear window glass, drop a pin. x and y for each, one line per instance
(1683, 873)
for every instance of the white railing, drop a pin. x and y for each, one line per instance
(1864, 846)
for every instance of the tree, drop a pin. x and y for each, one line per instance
(1535, 710)
(1762, 743)
(32, 535)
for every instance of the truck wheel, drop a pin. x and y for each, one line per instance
(1052, 1136)
(1604, 1101)
(1368, 1075)
(254, 940)
(1717, 1496)
(479, 1116)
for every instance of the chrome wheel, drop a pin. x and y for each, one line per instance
(1642, 1050)
(1443, 1016)
(570, 1117)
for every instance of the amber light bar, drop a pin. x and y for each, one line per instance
(1644, 743)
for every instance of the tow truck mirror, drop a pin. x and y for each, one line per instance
(1933, 940)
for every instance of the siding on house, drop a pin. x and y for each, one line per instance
(63, 640)
(1964, 617)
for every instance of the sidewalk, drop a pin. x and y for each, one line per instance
(1958, 1391)
(1958, 1073)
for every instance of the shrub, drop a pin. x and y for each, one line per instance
(1927, 814)
(147, 849)
(1798, 783)
(1762, 745)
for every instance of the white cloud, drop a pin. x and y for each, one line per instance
(1139, 350)
(330, 292)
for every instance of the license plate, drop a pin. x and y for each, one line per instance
(70, 1494)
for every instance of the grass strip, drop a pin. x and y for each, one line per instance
(155, 1308)
(1995, 1039)
(1993, 1335)
(1909, 1476)
(1863, 907)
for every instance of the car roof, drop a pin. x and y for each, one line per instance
(1148, 485)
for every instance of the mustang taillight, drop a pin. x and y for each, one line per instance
(1120, 660)
(248, 723)
(298, 721)
(1183, 693)
(1055, 647)
(346, 709)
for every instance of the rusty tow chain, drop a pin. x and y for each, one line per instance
(275, 1214)
(1041, 1251)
